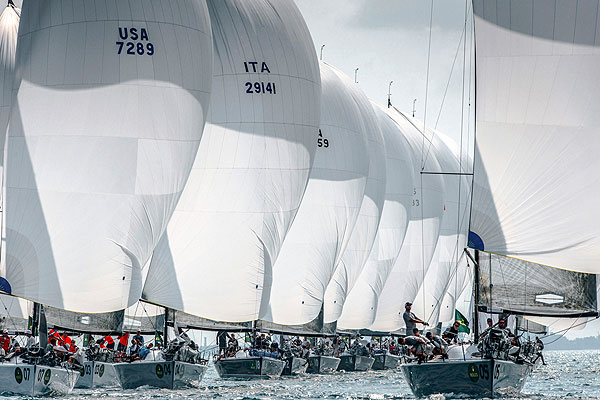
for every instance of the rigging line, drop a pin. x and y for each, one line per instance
(422, 150)
(563, 332)
(460, 41)
(8, 313)
(460, 149)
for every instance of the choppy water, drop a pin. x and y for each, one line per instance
(569, 375)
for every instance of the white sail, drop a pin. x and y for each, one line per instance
(538, 78)
(423, 230)
(9, 31)
(453, 231)
(252, 166)
(360, 304)
(103, 134)
(363, 236)
(461, 281)
(329, 208)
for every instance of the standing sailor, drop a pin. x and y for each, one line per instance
(410, 319)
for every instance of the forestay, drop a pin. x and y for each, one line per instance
(329, 208)
(536, 188)
(427, 208)
(360, 305)
(102, 137)
(252, 167)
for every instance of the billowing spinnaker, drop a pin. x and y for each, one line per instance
(252, 166)
(9, 30)
(363, 235)
(329, 208)
(423, 230)
(453, 232)
(460, 281)
(536, 187)
(102, 137)
(360, 304)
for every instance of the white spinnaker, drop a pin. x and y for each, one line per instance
(329, 208)
(102, 136)
(538, 77)
(9, 32)
(360, 304)
(363, 236)
(458, 284)
(252, 167)
(453, 231)
(423, 230)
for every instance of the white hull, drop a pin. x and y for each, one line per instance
(35, 380)
(98, 374)
(161, 374)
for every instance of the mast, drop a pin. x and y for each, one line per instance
(476, 295)
(166, 327)
(35, 319)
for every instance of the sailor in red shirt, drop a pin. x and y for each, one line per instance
(5, 341)
(110, 343)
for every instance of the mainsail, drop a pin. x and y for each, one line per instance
(360, 305)
(215, 260)
(329, 208)
(103, 134)
(537, 115)
(515, 286)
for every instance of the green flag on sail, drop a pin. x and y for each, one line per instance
(464, 323)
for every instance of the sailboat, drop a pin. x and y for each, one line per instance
(249, 175)
(535, 155)
(108, 114)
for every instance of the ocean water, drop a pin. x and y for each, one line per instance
(568, 375)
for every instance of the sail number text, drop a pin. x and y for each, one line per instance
(258, 87)
(134, 41)
(321, 141)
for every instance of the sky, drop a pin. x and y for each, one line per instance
(388, 40)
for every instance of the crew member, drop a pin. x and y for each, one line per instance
(540, 348)
(410, 319)
(451, 334)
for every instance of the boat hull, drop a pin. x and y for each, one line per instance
(98, 374)
(475, 378)
(322, 364)
(294, 366)
(36, 380)
(355, 363)
(249, 367)
(160, 374)
(386, 361)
